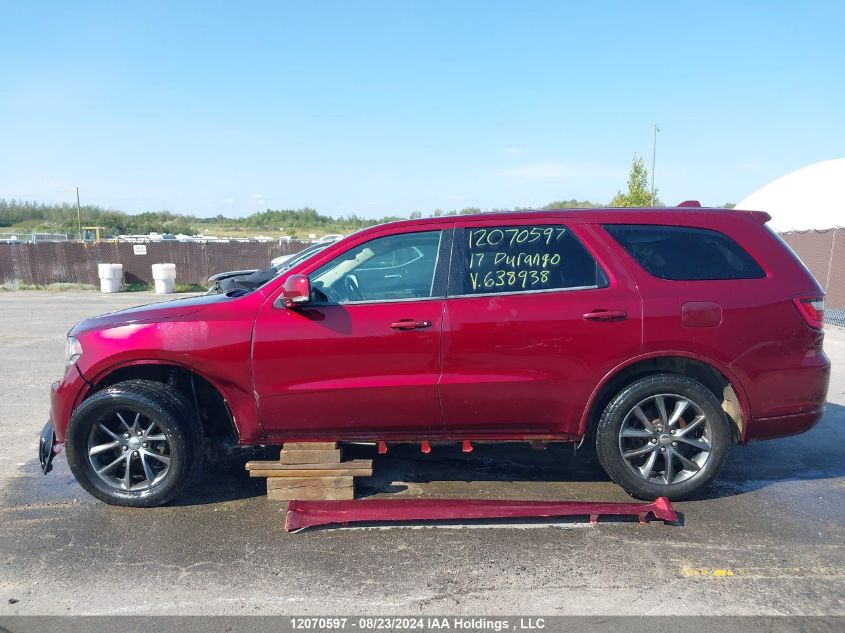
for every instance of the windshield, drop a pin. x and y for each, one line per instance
(302, 255)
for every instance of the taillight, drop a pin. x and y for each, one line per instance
(812, 309)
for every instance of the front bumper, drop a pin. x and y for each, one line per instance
(64, 394)
(48, 447)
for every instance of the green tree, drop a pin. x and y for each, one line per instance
(639, 194)
(416, 215)
(571, 204)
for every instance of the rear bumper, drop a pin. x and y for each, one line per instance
(782, 425)
(789, 400)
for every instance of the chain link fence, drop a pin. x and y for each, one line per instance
(44, 263)
(823, 252)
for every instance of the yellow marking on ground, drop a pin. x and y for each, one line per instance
(691, 571)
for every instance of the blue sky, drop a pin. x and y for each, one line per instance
(392, 107)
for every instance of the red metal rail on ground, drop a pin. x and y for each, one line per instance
(303, 514)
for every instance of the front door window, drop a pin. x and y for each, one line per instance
(393, 268)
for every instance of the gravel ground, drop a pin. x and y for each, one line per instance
(767, 538)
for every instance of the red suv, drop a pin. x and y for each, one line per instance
(661, 335)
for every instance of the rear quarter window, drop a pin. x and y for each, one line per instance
(680, 253)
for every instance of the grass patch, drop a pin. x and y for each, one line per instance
(136, 287)
(191, 288)
(145, 287)
(57, 287)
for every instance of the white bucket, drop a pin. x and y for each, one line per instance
(111, 277)
(164, 276)
(164, 271)
(165, 286)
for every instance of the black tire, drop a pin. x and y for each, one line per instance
(642, 481)
(174, 420)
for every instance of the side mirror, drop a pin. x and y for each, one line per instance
(296, 291)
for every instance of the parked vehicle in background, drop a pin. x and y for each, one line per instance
(93, 233)
(281, 259)
(250, 279)
(662, 336)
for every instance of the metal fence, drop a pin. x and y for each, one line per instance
(35, 237)
(823, 252)
(44, 263)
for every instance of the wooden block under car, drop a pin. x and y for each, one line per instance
(315, 474)
(352, 468)
(296, 456)
(310, 488)
(326, 478)
(310, 446)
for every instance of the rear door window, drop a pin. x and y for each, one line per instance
(681, 253)
(531, 258)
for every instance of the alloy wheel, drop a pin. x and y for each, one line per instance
(665, 439)
(128, 456)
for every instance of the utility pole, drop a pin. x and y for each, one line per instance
(78, 207)
(653, 160)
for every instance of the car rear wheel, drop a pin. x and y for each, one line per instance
(663, 435)
(137, 443)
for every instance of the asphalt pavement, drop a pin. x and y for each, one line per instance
(766, 538)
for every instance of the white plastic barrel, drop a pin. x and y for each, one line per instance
(111, 277)
(164, 276)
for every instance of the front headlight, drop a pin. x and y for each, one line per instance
(73, 351)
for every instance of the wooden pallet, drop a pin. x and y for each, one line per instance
(310, 471)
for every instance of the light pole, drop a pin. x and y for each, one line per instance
(78, 208)
(653, 160)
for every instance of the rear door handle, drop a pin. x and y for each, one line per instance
(410, 324)
(606, 315)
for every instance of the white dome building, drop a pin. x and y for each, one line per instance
(812, 197)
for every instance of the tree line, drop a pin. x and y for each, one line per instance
(62, 218)
(26, 216)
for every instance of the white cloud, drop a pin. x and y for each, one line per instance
(258, 196)
(751, 167)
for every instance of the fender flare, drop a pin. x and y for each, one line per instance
(730, 376)
(225, 394)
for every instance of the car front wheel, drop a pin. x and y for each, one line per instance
(663, 435)
(137, 443)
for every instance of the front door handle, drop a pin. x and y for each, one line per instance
(410, 324)
(606, 315)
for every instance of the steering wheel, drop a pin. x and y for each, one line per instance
(353, 291)
(323, 294)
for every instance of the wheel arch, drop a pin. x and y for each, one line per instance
(715, 377)
(207, 398)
